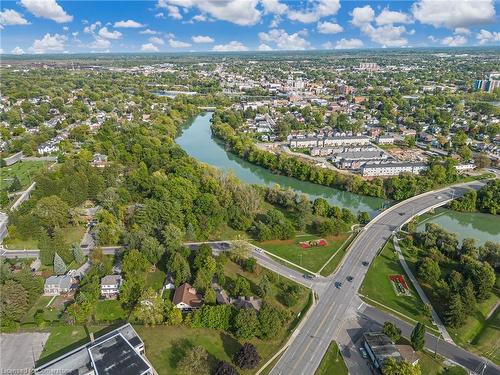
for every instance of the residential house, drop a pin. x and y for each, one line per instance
(56, 285)
(186, 298)
(246, 303)
(169, 282)
(110, 286)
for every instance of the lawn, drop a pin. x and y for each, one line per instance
(155, 280)
(378, 287)
(332, 362)
(40, 304)
(332, 265)
(312, 259)
(24, 170)
(72, 234)
(109, 310)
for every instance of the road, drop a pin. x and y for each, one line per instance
(334, 305)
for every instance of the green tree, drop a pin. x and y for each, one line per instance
(15, 185)
(52, 211)
(130, 292)
(393, 367)
(246, 324)
(134, 265)
(392, 331)
(417, 337)
(149, 310)
(241, 287)
(247, 357)
(428, 271)
(77, 253)
(13, 302)
(455, 314)
(60, 267)
(363, 217)
(194, 362)
(179, 267)
(270, 322)
(174, 317)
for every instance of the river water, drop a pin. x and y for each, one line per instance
(197, 140)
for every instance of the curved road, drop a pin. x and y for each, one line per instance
(304, 354)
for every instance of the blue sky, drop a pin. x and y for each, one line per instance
(55, 26)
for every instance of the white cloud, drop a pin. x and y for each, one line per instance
(240, 12)
(156, 40)
(264, 47)
(454, 41)
(100, 43)
(173, 12)
(47, 9)
(131, 24)
(159, 15)
(327, 45)
(387, 35)
(348, 43)
(17, 51)
(320, 9)
(274, 7)
(92, 28)
(485, 36)
(149, 47)
(49, 43)
(148, 32)
(390, 17)
(329, 28)
(285, 41)
(230, 47)
(11, 17)
(463, 13)
(432, 39)
(202, 39)
(462, 31)
(178, 44)
(199, 18)
(362, 15)
(106, 34)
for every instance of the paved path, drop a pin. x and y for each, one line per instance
(335, 305)
(421, 293)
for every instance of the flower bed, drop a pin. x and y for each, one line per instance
(400, 285)
(313, 243)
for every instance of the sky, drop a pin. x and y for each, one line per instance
(56, 26)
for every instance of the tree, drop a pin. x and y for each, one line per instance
(77, 253)
(393, 367)
(241, 287)
(15, 185)
(246, 325)
(149, 310)
(130, 292)
(134, 264)
(468, 295)
(174, 317)
(265, 286)
(465, 152)
(172, 236)
(270, 322)
(13, 302)
(428, 270)
(60, 267)
(152, 249)
(455, 315)
(52, 211)
(250, 264)
(224, 368)
(417, 337)
(194, 362)
(179, 267)
(240, 250)
(363, 217)
(392, 331)
(290, 295)
(247, 357)
(482, 161)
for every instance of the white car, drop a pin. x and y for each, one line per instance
(363, 352)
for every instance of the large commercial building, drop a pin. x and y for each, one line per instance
(391, 169)
(119, 352)
(380, 347)
(489, 84)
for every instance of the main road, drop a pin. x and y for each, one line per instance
(323, 324)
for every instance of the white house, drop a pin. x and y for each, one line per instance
(56, 285)
(110, 286)
(392, 169)
(169, 282)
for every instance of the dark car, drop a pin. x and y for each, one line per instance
(338, 285)
(308, 276)
(349, 278)
(365, 263)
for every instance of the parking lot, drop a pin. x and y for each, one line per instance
(20, 351)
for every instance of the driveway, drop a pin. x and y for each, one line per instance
(20, 351)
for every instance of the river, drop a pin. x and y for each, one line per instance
(197, 140)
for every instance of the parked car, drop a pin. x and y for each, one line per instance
(363, 352)
(308, 276)
(338, 285)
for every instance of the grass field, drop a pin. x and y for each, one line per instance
(332, 362)
(24, 170)
(72, 235)
(155, 280)
(378, 287)
(109, 310)
(312, 259)
(332, 265)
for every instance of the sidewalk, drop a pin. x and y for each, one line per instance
(423, 297)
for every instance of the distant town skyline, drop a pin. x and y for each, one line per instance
(50, 26)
